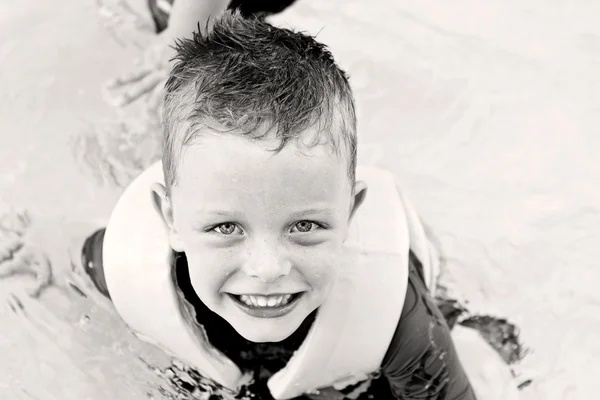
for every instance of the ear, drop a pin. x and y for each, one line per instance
(164, 207)
(360, 193)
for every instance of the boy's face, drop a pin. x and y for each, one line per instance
(262, 231)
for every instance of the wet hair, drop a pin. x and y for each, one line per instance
(249, 78)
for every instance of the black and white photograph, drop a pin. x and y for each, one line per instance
(299, 200)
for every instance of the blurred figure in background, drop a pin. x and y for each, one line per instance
(172, 20)
(161, 10)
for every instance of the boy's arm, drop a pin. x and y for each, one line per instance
(422, 361)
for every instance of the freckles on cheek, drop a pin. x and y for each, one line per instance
(228, 262)
(217, 265)
(320, 269)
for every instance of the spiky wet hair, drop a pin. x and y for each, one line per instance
(248, 77)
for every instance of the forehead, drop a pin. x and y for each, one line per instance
(231, 165)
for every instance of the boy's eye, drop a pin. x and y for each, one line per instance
(228, 228)
(304, 226)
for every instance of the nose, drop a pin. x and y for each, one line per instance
(266, 262)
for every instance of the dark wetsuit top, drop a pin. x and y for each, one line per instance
(421, 361)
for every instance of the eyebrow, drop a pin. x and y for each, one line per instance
(224, 213)
(312, 211)
(297, 214)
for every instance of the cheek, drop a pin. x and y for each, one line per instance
(209, 270)
(319, 267)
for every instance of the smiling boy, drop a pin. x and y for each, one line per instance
(262, 231)
(258, 205)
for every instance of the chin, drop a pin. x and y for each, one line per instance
(262, 337)
(265, 330)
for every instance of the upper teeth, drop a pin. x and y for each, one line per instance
(265, 301)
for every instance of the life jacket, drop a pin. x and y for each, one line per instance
(353, 328)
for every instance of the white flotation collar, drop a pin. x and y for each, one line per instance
(353, 328)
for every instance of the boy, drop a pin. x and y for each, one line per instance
(259, 199)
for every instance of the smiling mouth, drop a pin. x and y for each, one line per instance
(266, 302)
